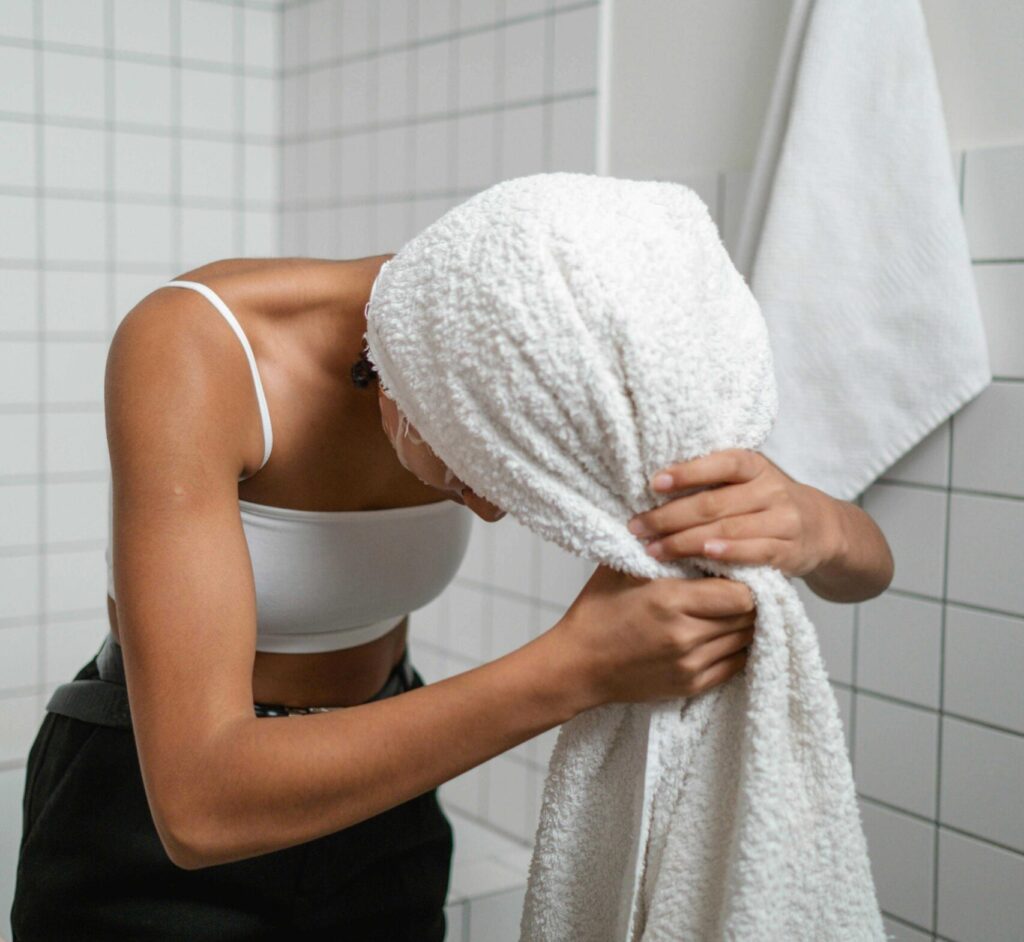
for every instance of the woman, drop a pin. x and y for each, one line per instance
(188, 817)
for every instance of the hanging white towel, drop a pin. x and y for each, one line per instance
(853, 243)
(556, 339)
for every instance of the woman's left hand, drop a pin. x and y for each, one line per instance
(752, 513)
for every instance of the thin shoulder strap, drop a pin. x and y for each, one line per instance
(215, 300)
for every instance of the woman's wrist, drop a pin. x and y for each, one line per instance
(565, 674)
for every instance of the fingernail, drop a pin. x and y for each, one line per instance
(653, 549)
(637, 528)
(713, 547)
(661, 482)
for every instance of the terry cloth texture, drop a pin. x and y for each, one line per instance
(556, 339)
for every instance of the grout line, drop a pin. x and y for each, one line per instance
(41, 427)
(932, 711)
(941, 825)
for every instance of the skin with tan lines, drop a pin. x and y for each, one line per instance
(183, 424)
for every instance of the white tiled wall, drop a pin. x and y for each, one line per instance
(137, 140)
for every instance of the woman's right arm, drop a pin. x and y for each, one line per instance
(223, 785)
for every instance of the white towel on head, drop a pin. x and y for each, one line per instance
(556, 339)
(854, 242)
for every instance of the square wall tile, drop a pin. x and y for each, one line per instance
(21, 434)
(76, 442)
(979, 890)
(17, 80)
(17, 154)
(19, 583)
(19, 287)
(574, 135)
(902, 853)
(207, 169)
(575, 50)
(434, 18)
(206, 235)
(986, 540)
(525, 55)
(434, 72)
(74, 85)
(895, 753)
(19, 510)
(16, 19)
(392, 86)
(1001, 296)
(477, 74)
(209, 101)
(476, 151)
(262, 105)
(143, 27)
(432, 162)
(73, 21)
(74, 371)
(19, 722)
(19, 372)
(913, 521)
(994, 202)
(984, 663)
(76, 510)
(142, 93)
(983, 782)
(75, 158)
(18, 233)
(899, 647)
(986, 456)
(207, 31)
(75, 230)
(496, 917)
(19, 667)
(142, 164)
(75, 581)
(261, 33)
(927, 462)
(522, 141)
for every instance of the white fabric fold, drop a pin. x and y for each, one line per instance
(853, 243)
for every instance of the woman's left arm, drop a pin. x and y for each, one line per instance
(750, 511)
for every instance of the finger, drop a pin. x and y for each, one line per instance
(702, 657)
(706, 506)
(762, 552)
(715, 596)
(729, 464)
(720, 672)
(703, 630)
(700, 540)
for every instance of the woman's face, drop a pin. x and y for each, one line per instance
(416, 456)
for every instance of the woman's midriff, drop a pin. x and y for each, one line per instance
(327, 678)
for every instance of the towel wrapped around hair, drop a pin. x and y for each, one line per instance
(556, 339)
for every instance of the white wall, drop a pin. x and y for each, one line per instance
(928, 674)
(136, 141)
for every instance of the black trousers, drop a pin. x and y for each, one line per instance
(91, 865)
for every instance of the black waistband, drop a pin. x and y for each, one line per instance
(98, 693)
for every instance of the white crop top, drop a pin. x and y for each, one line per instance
(332, 579)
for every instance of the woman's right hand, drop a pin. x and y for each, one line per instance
(655, 639)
